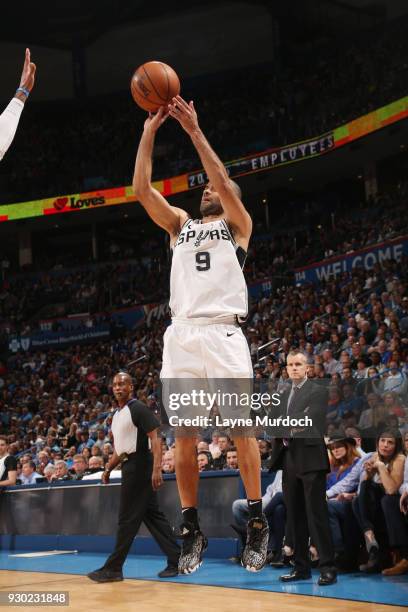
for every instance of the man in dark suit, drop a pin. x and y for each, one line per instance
(301, 454)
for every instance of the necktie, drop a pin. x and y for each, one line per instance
(289, 408)
(292, 399)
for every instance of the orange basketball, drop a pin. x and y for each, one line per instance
(154, 84)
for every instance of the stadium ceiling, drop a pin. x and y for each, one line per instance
(62, 25)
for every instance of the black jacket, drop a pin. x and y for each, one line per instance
(307, 449)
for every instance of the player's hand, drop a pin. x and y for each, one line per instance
(157, 478)
(28, 74)
(184, 113)
(105, 477)
(404, 502)
(155, 120)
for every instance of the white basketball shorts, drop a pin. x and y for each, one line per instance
(210, 358)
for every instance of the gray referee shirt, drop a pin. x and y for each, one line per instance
(130, 426)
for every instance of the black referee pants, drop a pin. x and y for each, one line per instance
(138, 503)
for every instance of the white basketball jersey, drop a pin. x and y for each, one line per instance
(206, 277)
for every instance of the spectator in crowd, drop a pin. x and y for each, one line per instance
(203, 446)
(95, 464)
(331, 365)
(345, 531)
(95, 452)
(101, 438)
(95, 468)
(334, 401)
(203, 461)
(86, 453)
(393, 404)
(49, 472)
(80, 467)
(395, 508)
(61, 471)
(231, 460)
(168, 462)
(28, 474)
(43, 460)
(395, 380)
(85, 440)
(354, 433)
(265, 452)
(343, 456)
(383, 475)
(220, 455)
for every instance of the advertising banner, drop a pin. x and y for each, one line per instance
(364, 258)
(258, 162)
(58, 339)
(280, 156)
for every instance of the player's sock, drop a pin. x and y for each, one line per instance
(190, 516)
(255, 508)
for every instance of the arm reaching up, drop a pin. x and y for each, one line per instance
(235, 212)
(10, 118)
(157, 207)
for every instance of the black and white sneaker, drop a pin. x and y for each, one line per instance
(193, 546)
(256, 548)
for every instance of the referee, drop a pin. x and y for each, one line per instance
(133, 427)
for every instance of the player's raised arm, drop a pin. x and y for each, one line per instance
(11, 116)
(235, 212)
(159, 210)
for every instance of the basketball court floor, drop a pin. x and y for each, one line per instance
(218, 584)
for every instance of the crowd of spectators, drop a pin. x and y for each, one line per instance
(353, 329)
(51, 291)
(312, 87)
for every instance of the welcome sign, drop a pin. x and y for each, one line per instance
(365, 258)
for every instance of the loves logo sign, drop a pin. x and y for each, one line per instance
(75, 202)
(60, 203)
(86, 202)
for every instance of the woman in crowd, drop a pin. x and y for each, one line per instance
(342, 456)
(383, 475)
(394, 508)
(372, 383)
(344, 528)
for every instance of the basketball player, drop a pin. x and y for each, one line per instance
(11, 115)
(207, 294)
